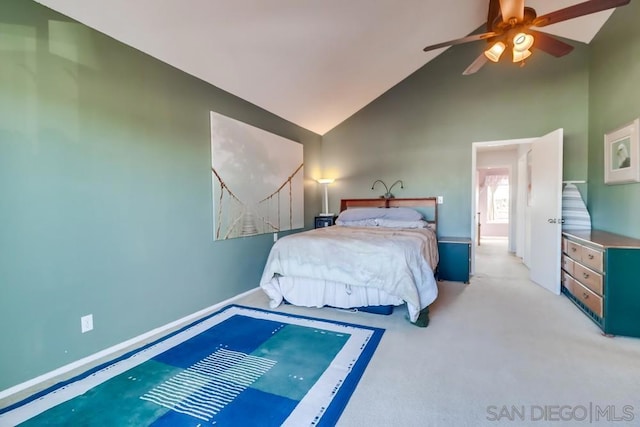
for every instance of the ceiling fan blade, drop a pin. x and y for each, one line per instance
(550, 44)
(512, 9)
(471, 38)
(476, 65)
(493, 14)
(577, 10)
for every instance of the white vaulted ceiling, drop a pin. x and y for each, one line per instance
(312, 62)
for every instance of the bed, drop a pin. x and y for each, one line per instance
(380, 253)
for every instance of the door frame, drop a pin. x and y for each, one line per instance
(474, 151)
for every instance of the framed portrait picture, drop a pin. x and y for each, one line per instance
(621, 156)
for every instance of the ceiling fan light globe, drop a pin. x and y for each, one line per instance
(522, 42)
(520, 55)
(495, 51)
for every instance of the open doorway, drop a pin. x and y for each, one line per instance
(497, 197)
(534, 201)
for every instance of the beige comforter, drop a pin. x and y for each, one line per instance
(397, 261)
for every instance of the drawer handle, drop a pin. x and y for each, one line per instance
(585, 275)
(573, 249)
(590, 256)
(585, 295)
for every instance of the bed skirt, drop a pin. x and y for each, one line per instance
(320, 293)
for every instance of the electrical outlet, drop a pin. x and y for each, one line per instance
(275, 237)
(440, 200)
(86, 323)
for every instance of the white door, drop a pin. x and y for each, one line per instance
(546, 211)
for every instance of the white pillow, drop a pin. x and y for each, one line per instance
(402, 214)
(357, 223)
(382, 222)
(396, 223)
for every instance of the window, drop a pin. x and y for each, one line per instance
(498, 199)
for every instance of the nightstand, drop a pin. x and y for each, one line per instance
(325, 221)
(455, 259)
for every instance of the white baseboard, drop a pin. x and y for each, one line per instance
(68, 371)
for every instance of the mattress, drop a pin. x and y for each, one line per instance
(353, 266)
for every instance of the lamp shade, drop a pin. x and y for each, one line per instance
(325, 180)
(495, 51)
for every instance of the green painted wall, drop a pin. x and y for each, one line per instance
(614, 89)
(421, 130)
(105, 192)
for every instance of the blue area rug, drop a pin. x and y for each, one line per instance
(240, 366)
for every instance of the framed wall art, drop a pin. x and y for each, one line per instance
(621, 156)
(257, 179)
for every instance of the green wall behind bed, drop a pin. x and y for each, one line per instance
(422, 130)
(105, 192)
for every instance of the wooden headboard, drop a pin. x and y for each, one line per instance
(420, 203)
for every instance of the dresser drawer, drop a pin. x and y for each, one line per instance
(588, 278)
(592, 258)
(567, 281)
(567, 264)
(587, 297)
(574, 250)
(565, 245)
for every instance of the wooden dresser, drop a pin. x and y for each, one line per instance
(601, 275)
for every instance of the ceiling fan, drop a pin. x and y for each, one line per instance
(509, 25)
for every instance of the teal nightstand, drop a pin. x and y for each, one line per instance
(325, 221)
(455, 259)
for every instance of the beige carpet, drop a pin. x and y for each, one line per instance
(500, 351)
